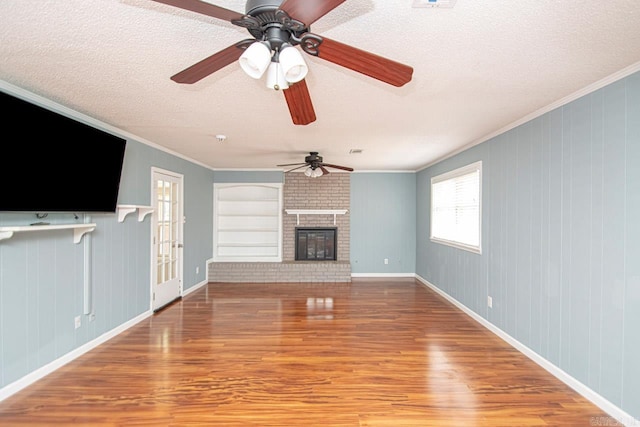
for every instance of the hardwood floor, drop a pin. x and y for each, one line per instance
(367, 353)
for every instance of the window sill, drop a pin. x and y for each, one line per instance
(458, 245)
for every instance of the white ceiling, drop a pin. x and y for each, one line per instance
(478, 68)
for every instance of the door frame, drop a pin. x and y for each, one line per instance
(180, 223)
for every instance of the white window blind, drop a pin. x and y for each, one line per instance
(456, 207)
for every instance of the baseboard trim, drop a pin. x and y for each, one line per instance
(194, 288)
(616, 412)
(45, 370)
(383, 275)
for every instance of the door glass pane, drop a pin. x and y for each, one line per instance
(167, 231)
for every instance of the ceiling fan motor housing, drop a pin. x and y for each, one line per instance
(313, 159)
(265, 21)
(258, 7)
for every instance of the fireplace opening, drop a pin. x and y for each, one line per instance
(316, 244)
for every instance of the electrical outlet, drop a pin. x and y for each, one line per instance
(92, 317)
(197, 270)
(386, 260)
(490, 302)
(78, 321)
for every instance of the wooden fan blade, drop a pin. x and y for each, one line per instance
(369, 64)
(292, 164)
(324, 170)
(299, 102)
(290, 170)
(309, 11)
(344, 168)
(204, 8)
(212, 64)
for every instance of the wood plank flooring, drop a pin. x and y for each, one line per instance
(368, 353)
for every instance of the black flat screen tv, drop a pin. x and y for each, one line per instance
(51, 163)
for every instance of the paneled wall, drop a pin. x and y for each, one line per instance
(561, 239)
(42, 273)
(383, 223)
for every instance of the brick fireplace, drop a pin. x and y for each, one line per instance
(321, 203)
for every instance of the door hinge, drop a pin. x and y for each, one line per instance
(154, 296)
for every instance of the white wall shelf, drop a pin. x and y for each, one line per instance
(298, 212)
(124, 210)
(79, 230)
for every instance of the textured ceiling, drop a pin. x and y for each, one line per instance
(478, 68)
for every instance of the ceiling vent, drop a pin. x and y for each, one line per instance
(442, 4)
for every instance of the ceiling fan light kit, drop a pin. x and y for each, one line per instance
(258, 57)
(277, 27)
(313, 173)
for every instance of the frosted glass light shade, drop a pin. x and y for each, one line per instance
(293, 65)
(275, 77)
(313, 173)
(255, 59)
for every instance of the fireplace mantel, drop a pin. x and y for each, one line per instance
(298, 212)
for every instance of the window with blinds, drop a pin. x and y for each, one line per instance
(456, 207)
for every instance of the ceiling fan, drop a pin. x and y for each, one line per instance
(315, 166)
(277, 26)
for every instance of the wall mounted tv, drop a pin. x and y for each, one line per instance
(53, 163)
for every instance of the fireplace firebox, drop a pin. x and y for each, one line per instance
(316, 244)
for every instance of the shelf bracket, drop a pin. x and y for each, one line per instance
(6, 235)
(81, 231)
(124, 210)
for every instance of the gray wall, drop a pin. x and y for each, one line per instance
(41, 273)
(232, 177)
(561, 239)
(383, 221)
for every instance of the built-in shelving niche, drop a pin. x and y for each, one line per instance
(248, 222)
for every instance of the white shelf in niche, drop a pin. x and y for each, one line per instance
(124, 210)
(79, 230)
(298, 212)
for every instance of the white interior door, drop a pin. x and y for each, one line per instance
(167, 238)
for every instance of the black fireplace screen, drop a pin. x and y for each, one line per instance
(316, 244)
